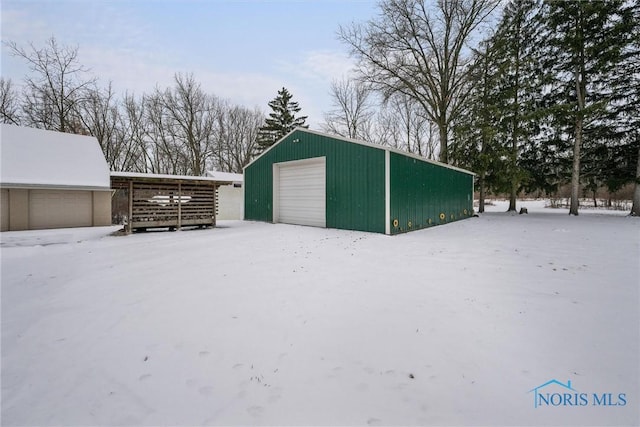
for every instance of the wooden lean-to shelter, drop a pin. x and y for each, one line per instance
(159, 201)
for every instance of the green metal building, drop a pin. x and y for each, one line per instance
(311, 178)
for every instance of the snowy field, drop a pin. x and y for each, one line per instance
(263, 324)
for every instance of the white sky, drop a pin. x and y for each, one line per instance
(244, 50)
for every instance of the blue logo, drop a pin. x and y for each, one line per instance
(556, 393)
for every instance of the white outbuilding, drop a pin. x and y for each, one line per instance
(52, 180)
(230, 197)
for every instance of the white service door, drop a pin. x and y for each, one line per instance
(58, 208)
(302, 193)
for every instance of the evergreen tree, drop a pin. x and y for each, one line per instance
(586, 42)
(632, 114)
(281, 120)
(516, 45)
(475, 144)
(624, 151)
(500, 123)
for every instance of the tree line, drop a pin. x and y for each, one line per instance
(530, 96)
(176, 130)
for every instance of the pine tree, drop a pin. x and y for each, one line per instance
(474, 143)
(624, 151)
(632, 114)
(519, 84)
(281, 120)
(586, 44)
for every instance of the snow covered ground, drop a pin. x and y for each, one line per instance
(263, 324)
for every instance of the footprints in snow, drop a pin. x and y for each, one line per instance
(256, 392)
(206, 390)
(255, 411)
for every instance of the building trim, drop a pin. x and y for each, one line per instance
(160, 177)
(387, 192)
(53, 187)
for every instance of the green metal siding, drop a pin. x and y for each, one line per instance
(258, 191)
(421, 192)
(355, 181)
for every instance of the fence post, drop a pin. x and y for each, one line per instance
(130, 213)
(179, 205)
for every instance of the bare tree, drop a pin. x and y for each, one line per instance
(100, 116)
(431, 141)
(134, 132)
(55, 88)
(382, 129)
(399, 122)
(189, 111)
(236, 136)
(163, 152)
(352, 109)
(114, 124)
(386, 130)
(413, 126)
(9, 103)
(417, 48)
(180, 125)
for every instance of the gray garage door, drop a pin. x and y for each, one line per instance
(301, 192)
(58, 208)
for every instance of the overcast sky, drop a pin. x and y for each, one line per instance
(244, 50)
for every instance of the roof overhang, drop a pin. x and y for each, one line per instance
(152, 177)
(23, 186)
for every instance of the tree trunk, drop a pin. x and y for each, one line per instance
(481, 184)
(516, 124)
(635, 209)
(575, 171)
(512, 197)
(581, 94)
(444, 154)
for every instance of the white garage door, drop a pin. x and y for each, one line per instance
(301, 192)
(57, 209)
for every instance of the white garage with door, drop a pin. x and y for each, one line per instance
(52, 180)
(300, 192)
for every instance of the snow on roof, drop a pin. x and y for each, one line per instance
(41, 158)
(167, 176)
(226, 176)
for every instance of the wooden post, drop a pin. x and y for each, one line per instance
(130, 217)
(215, 203)
(179, 205)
